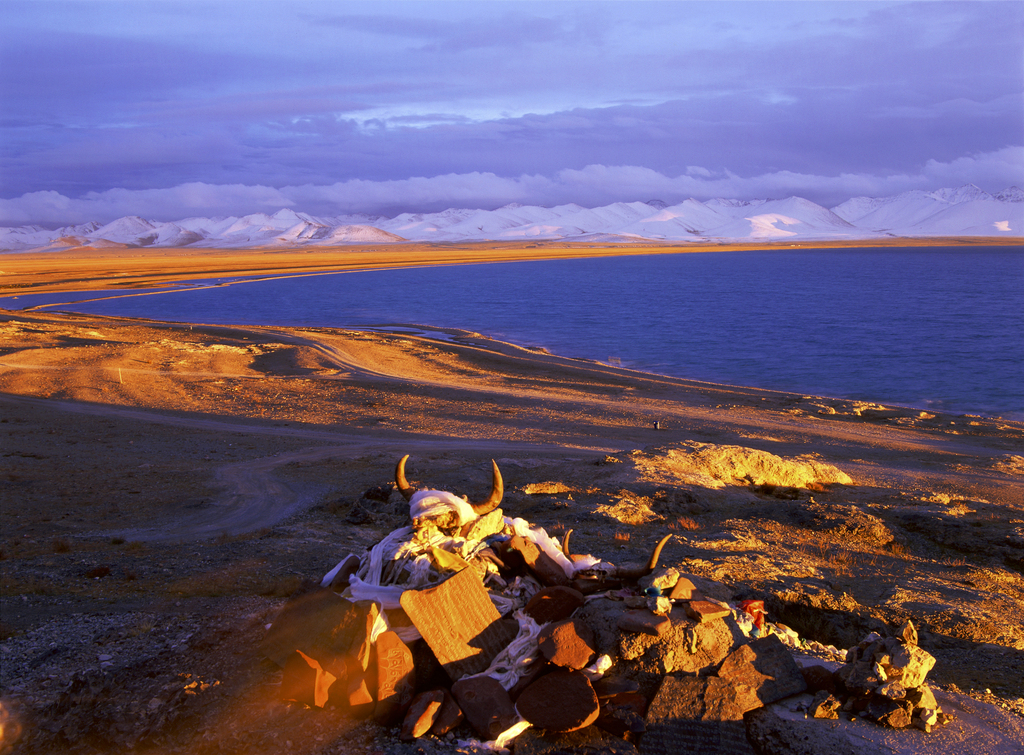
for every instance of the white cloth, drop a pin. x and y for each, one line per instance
(430, 503)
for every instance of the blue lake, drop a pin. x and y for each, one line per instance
(939, 328)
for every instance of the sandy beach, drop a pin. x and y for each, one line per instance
(186, 478)
(116, 266)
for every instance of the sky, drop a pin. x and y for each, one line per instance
(175, 109)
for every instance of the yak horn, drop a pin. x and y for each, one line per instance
(484, 507)
(497, 491)
(656, 553)
(400, 481)
(565, 545)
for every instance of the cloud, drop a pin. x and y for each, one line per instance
(591, 186)
(178, 202)
(104, 95)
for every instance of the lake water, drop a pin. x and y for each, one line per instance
(938, 328)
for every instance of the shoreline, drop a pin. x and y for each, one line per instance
(450, 335)
(87, 269)
(185, 270)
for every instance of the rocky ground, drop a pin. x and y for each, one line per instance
(165, 489)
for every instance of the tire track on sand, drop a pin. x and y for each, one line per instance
(252, 497)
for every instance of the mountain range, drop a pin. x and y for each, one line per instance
(966, 211)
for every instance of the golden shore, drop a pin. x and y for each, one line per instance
(118, 266)
(160, 477)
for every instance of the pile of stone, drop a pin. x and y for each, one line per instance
(882, 680)
(469, 616)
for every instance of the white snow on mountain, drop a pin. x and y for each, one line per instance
(964, 211)
(967, 211)
(786, 219)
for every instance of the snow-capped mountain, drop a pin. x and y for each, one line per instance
(965, 211)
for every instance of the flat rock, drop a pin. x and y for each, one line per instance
(321, 624)
(466, 645)
(663, 579)
(355, 690)
(766, 669)
(484, 526)
(448, 717)
(422, 714)
(568, 643)
(486, 705)
(305, 681)
(706, 610)
(695, 714)
(684, 589)
(553, 604)
(641, 620)
(396, 678)
(560, 701)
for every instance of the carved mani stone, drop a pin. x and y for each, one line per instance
(695, 714)
(459, 623)
(396, 677)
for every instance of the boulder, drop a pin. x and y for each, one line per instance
(561, 701)
(765, 669)
(485, 704)
(568, 643)
(553, 604)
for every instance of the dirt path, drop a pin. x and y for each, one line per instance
(252, 496)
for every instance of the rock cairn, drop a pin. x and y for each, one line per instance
(882, 680)
(467, 615)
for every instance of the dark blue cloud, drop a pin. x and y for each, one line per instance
(100, 95)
